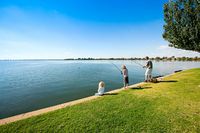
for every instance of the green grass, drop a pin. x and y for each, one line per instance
(170, 106)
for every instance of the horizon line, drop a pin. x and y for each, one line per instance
(107, 58)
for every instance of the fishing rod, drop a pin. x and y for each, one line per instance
(116, 67)
(137, 63)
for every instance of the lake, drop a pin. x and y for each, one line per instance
(30, 85)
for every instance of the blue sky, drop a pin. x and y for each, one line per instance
(52, 29)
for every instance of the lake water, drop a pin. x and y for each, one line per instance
(30, 85)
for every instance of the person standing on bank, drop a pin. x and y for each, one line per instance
(149, 67)
(125, 76)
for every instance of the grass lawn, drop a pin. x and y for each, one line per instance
(172, 105)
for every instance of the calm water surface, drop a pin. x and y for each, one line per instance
(29, 85)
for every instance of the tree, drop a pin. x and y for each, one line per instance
(182, 24)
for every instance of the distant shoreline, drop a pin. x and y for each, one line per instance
(173, 58)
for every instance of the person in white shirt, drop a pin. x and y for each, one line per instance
(101, 89)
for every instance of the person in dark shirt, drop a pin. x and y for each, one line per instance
(149, 68)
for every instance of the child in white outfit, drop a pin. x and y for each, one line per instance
(101, 89)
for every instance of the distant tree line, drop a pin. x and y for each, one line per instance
(172, 58)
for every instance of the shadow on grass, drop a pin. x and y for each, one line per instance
(110, 94)
(140, 88)
(168, 81)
